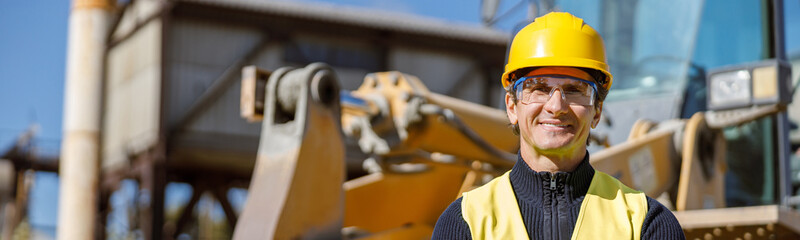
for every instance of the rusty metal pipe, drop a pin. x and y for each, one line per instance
(79, 168)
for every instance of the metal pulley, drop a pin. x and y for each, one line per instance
(296, 188)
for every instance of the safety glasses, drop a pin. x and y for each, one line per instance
(539, 89)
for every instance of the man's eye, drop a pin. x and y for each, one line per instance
(572, 88)
(540, 88)
(571, 91)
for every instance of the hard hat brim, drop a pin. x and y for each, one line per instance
(557, 62)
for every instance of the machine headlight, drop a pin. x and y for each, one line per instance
(730, 89)
(742, 86)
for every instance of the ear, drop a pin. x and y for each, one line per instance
(598, 112)
(511, 109)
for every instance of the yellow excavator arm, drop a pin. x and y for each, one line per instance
(421, 151)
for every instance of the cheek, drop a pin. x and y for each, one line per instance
(586, 116)
(528, 113)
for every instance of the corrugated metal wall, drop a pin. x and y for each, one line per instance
(199, 53)
(132, 95)
(351, 58)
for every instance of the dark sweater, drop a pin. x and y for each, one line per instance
(551, 213)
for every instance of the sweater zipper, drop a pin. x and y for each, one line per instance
(554, 208)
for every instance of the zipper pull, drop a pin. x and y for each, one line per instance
(553, 182)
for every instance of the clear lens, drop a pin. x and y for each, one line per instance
(540, 89)
(730, 88)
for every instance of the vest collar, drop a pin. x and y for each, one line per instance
(529, 185)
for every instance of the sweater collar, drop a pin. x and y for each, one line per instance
(529, 185)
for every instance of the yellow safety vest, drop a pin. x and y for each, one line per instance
(610, 210)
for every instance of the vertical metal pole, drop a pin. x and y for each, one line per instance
(9, 211)
(220, 193)
(153, 182)
(105, 209)
(79, 167)
(784, 149)
(784, 166)
(16, 210)
(157, 202)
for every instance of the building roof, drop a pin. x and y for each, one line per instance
(369, 18)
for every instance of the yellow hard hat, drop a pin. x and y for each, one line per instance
(557, 39)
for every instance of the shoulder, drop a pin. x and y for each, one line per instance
(484, 193)
(608, 180)
(451, 224)
(660, 223)
(452, 213)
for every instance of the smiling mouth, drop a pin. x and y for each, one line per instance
(556, 125)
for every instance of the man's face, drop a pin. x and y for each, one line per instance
(554, 127)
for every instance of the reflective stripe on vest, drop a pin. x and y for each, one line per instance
(610, 210)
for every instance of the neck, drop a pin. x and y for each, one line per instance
(542, 161)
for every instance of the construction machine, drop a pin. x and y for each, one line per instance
(383, 161)
(424, 149)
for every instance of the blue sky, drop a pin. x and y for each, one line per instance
(32, 55)
(32, 65)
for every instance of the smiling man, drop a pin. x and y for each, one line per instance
(556, 80)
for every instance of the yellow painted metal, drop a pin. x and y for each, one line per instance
(296, 188)
(733, 223)
(433, 134)
(702, 148)
(384, 201)
(644, 163)
(89, 4)
(476, 177)
(490, 123)
(286, 197)
(470, 180)
(640, 128)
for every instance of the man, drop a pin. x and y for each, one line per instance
(556, 80)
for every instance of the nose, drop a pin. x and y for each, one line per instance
(556, 105)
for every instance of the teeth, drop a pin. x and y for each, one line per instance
(556, 125)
